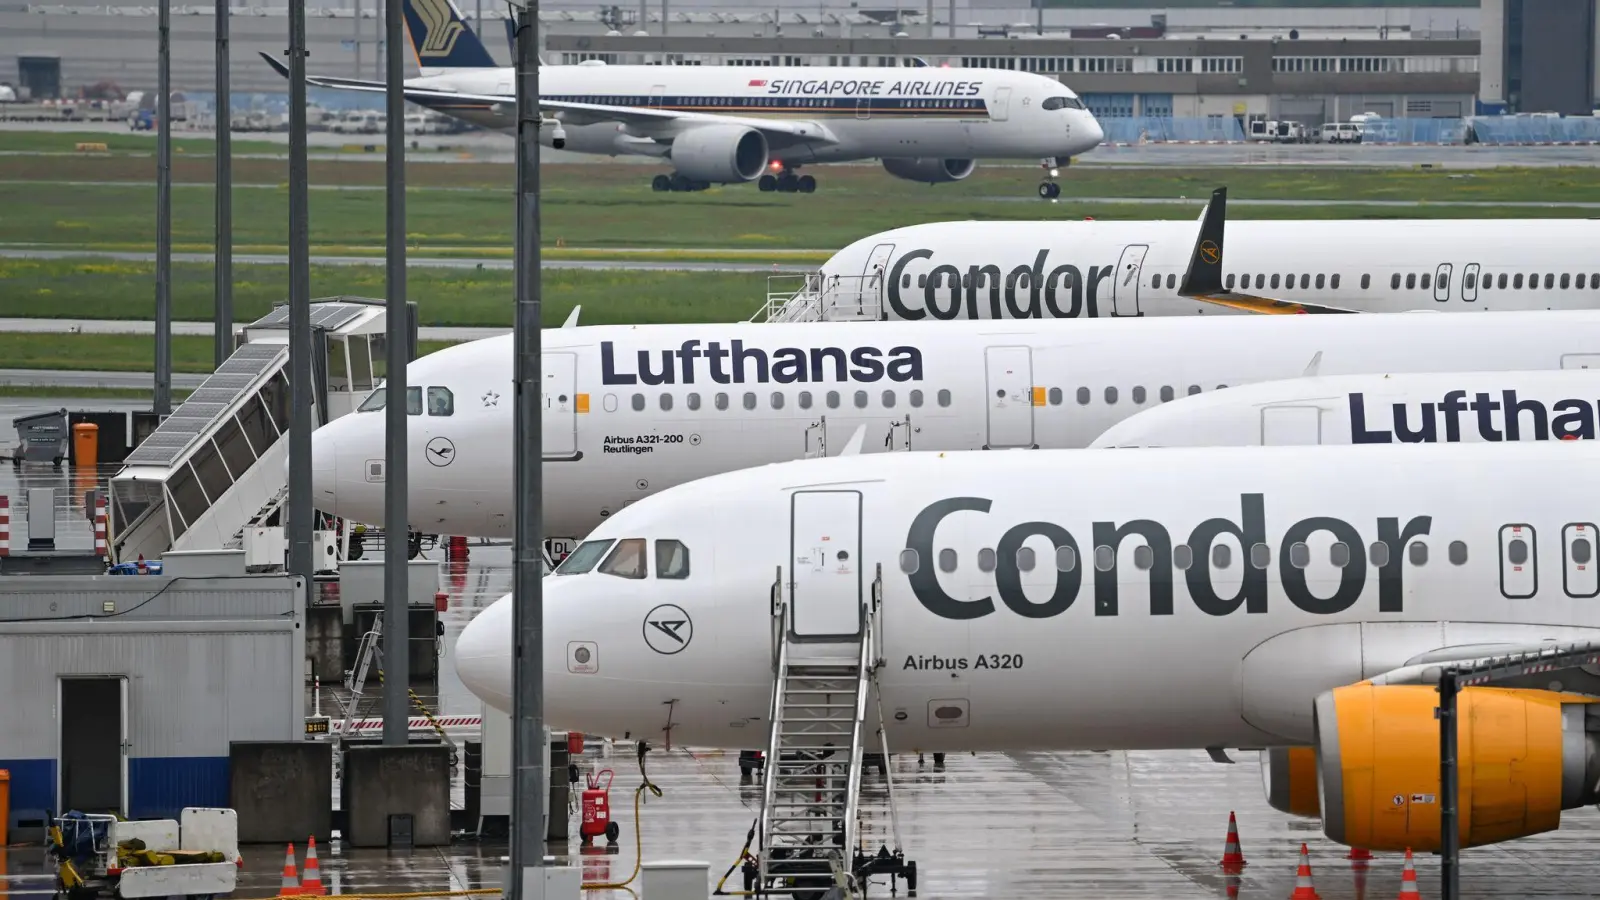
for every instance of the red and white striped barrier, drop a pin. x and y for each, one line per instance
(5, 525)
(100, 524)
(415, 723)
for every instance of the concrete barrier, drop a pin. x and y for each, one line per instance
(382, 781)
(282, 790)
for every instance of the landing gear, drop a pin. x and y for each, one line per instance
(1048, 188)
(677, 183)
(786, 182)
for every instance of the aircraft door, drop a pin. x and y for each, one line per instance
(1469, 282)
(825, 566)
(864, 108)
(1441, 283)
(1519, 577)
(1125, 289)
(658, 94)
(1291, 426)
(562, 403)
(872, 278)
(1580, 577)
(1010, 391)
(1002, 104)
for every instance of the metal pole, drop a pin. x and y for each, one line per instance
(952, 19)
(1449, 830)
(396, 522)
(300, 388)
(527, 742)
(224, 251)
(163, 386)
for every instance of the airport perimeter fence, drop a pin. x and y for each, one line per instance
(1487, 130)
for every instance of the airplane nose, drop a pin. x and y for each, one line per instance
(1093, 132)
(483, 655)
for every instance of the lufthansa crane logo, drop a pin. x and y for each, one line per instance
(1208, 252)
(667, 629)
(440, 451)
(440, 29)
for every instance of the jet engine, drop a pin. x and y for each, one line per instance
(1289, 775)
(1524, 756)
(930, 170)
(721, 154)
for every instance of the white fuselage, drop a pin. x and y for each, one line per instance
(870, 112)
(1465, 407)
(631, 410)
(1072, 269)
(1143, 633)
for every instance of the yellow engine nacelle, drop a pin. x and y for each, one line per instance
(1524, 756)
(1289, 776)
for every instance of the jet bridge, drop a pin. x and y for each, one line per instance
(218, 462)
(818, 297)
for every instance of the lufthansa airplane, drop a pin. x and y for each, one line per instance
(1396, 408)
(630, 410)
(1256, 597)
(734, 124)
(1088, 269)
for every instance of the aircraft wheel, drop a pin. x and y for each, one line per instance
(767, 183)
(807, 184)
(680, 183)
(661, 183)
(1055, 189)
(1044, 190)
(787, 182)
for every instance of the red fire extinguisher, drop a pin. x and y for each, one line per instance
(597, 809)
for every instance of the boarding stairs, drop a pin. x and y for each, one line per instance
(816, 297)
(812, 779)
(266, 515)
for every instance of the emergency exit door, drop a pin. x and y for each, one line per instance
(562, 403)
(825, 594)
(1519, 554)
(873, 284)
(1125, 289)
(1580, 570)
(1010, 392)
(1002, 104)
(92, 754)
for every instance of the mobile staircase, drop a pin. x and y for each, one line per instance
(815, 297)
(810, 811)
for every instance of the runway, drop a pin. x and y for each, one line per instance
(424, 262)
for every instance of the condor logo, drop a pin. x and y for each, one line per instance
(738, 364)
(440, 28)
(1332, 595)
(1502, 417)
(1039, 291)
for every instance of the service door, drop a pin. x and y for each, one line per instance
(562, 403)
(1010, 384)
(1291, 426)
(92, 755)
(1125, 289)
(1519, 577)
(1002, 104)
(658, 96)
(1469, 282)
(825, 565)
(1441, 283)
(872, 278)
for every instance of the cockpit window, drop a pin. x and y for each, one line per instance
(627, 560)
(583, 559)
(441, 402)
(672, 559)
(378, 398)
(1062, 103)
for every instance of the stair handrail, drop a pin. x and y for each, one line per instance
(853, 787)
(780, 616)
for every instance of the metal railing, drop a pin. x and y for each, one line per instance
(821, 297)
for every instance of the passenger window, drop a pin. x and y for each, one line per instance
(1320, 278)
(1172, 282)
(1299, 555)
(583, 558)
(693, 400)
(1565, 280)
(1334, 282)
(1083, 396)
(1517, 552)
(888, 399)
(749, 400)
(1066, 559)
(947, 560)
(1230, 282)
(1549, 281)
(1260, 555)
(1182, 557)
(1426, 277)
(805, 399)
(1366, 281)
(1166, 393)
(833, 399)
(1143, 557)
(627, 560)
(441, 402)
(1516, 281)
(1305, 282)
(1194, 389)
(666, 402)
(1411, 281)
(916, 399)
(986, 559)
(944, 398)
(1221, 556)
(1502, 281)
(1394, 281)
(1418, 551)
(1111, 395)
(638, 403)
(1274, 280)
(861, 399)
(1339, 554)
(1579, 281)
(1261, 282)
(777, 400)
(1055, 396)
(610, 403)
(1378, 554)
(672, 559)
(722, 401)
(909, 561)
(1444, 281)
(1104, 558)
(1025, 559)
(1155, 281)
(1138, 393)
(1458, 553)
(1471, 281)
(1581, 554)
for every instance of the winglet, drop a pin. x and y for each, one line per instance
(276, 64)
(1205, 264)
(572, 318)
(853, 446)
(1314, 366)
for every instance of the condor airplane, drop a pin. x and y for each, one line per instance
(1088, 269)
(1429, 408)
(630, 410)
(733, 124)
(1283, 597)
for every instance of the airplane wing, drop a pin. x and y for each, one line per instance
(669, 122)
(1575, 664)
(1203, 280)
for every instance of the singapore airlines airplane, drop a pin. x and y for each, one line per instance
(1398, 408)
(1087, 269)
(734, 124)
(1287, 597)
(630, 410)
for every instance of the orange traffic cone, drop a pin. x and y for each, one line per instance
(311, 885)
(1303, 889)
(1232, 856)
(291, 881)
(1408, 880)
(1358, 853)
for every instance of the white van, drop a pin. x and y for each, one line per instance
(1340, 133)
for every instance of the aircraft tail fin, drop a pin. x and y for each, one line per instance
(1205, 266)
(441, 39)
(511, 40)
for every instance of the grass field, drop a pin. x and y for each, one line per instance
(114, 352)
(84, 393)
(113, 289)
(121, 142)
